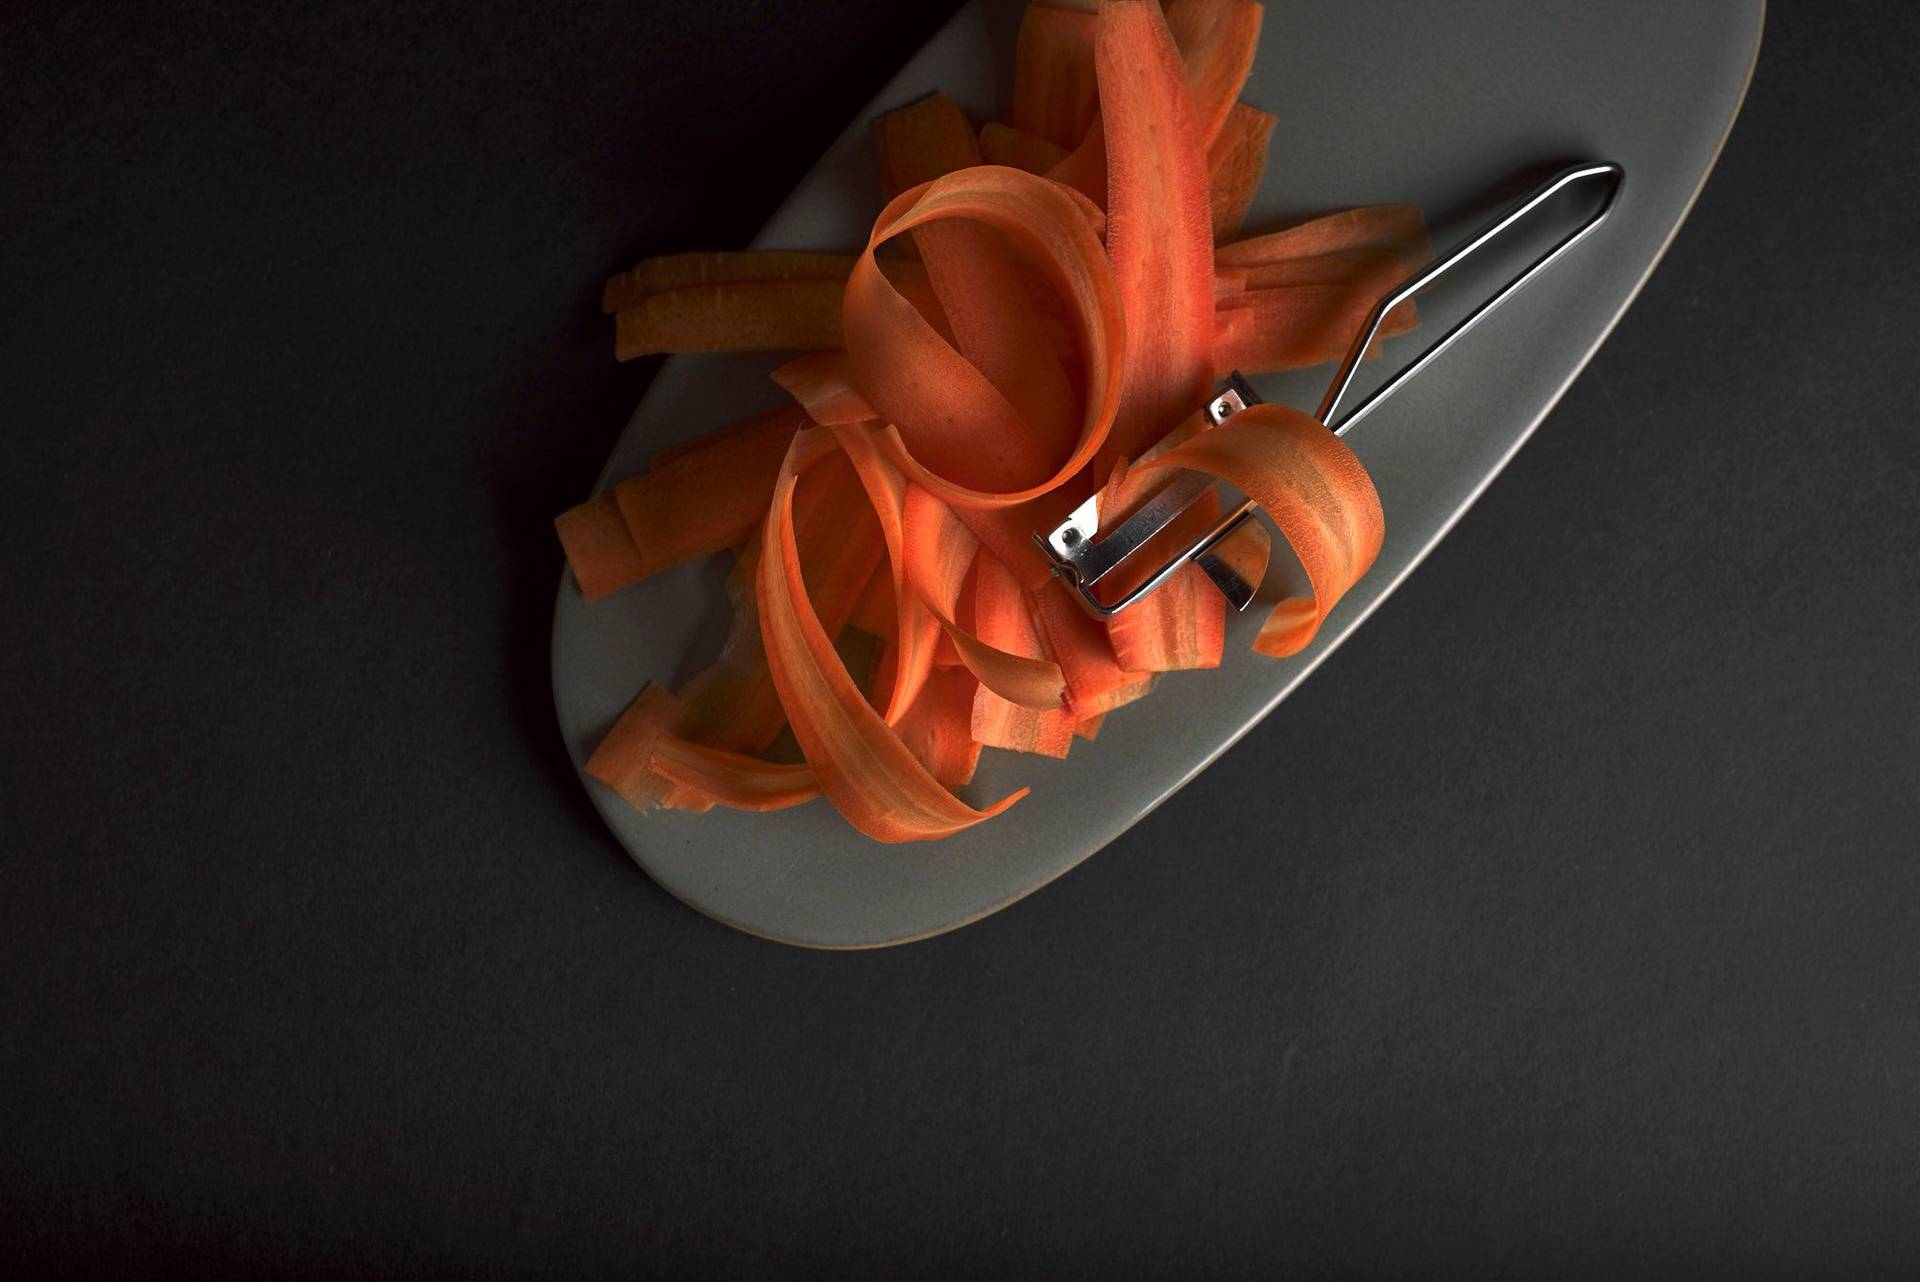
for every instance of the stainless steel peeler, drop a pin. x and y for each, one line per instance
(1083, 560)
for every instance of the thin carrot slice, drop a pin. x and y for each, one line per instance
(915, 630)
(1003, 619)
(606, 554)
(936, 729)
(1316, 493)
(731, 779)
(708, 499)
(950, 429)
(940, 553)
(1215, 44)
(1161, 239)
(752, 316)
(1335, 267)
(1082, 649)
(1053, 81)
(977, 277)
(1216, 39)
(1236, 162)
(1397, 227)
(1293, 326)
(599, 549)
(624, 758)
(1247, 551)
(1089, 728)
(873, 613)
(1159, 229)
(823, 385)
(679, 271)
(1005, 145)
(1183, 624)
(921, 141)
(871, 777)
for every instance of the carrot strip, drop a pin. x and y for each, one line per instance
(1183, 624)
(1247, 551)
(921, 141)
(1159, 230)
(1053, 81)
(707, 499)
(940, 553)
(950, 429)
(1397, 227)
(823, 385)
(623, 760)
(680, 271)
(1089, 727)
(606, 554)
(1335, 267)
(869, 775)
(873, 612)
(977, 278)
(1216, 39)
(1316, 493)
(915, 630)
(1215, 47)
(1082, 649)
(1160, 237)
(599, 549)
(936, 729)
(1005, 145)
(1003, 619)
(750, 316)
(731, 779)
(1293, 326)
(1236, 162)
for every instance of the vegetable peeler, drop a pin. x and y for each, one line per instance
(1083, 560)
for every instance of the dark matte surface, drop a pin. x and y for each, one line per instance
(1568, 920)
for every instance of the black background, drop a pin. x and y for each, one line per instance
(1568, 920)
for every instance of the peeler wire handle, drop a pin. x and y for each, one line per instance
(1343, 378)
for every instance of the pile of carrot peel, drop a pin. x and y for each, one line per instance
(1041, 311)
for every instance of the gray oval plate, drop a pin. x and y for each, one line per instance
(1387, 100)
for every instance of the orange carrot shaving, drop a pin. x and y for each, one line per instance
(937, 729)
(1053, 85)
(1236, 162)
(950, 428)
(708, 499)
(1003, 619)
(625, 757)
(1397, 227)
(683, 271)
(599, 549)
(1291, 326)
(1216, 39)
(1315, 491)
(696, 500)
(873, 612)
(1004, 145)
(731, 779)
(919, 143)
(940, 552)
(1159, 230)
